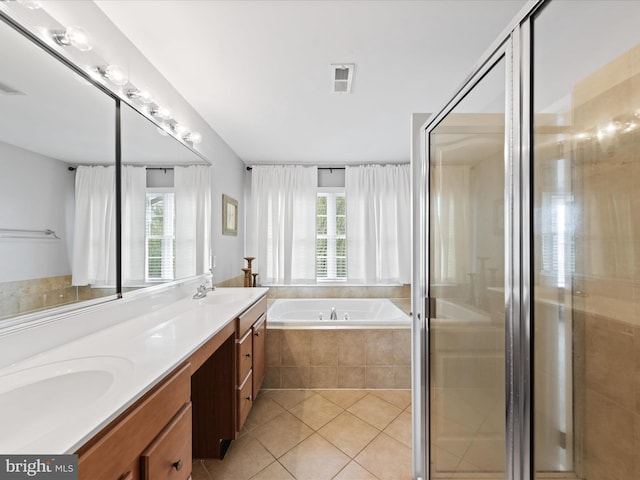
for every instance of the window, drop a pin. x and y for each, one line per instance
(331, 236)
(558, 250)
(160, 237)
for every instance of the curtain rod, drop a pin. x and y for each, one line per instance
(71, 169)
(344, 168)
(319, 168)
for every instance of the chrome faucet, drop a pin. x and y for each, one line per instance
(212, 287)
(334, 315)
(202, 290)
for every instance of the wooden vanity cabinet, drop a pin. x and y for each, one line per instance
(150, 440)
(250, 358)
(194, 412)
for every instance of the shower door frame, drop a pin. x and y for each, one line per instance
(515, 45)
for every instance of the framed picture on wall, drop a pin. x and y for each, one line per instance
(229, 215)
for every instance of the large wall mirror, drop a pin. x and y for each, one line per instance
(51, 120)
(166, 206)
(58, 208)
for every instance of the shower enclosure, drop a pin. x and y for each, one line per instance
(526, 288)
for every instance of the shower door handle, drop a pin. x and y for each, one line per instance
(430, 307)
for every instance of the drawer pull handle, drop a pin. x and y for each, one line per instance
(178, 465)
(257, 334)
(248, 355)
(248, 398)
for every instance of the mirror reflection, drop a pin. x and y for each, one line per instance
(166, 206)
(50, 120)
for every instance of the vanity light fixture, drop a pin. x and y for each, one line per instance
(193, 137)
(114, 74)
(143, 96)
(73, 36)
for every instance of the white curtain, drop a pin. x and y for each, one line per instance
(378, 202)
(94, 236)
(134, 189)
(451, 223)
(283, 223)
(192, 187)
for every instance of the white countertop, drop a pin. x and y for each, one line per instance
(55, 401)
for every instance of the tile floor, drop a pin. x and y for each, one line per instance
(320, 435)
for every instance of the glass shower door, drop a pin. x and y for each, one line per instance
(466, 284)
(586, 240)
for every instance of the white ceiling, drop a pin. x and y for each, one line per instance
(258, 71)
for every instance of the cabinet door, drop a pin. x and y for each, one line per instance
(259, 353)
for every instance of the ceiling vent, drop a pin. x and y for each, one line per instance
(7, 90)
(341, 77)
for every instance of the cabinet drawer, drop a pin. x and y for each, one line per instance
(121, 442)
(248, 318)
(169, 456)
(245, 400)
(245, 356)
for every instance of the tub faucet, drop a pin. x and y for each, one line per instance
(334, 315)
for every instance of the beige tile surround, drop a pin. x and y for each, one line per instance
(354, 358)
(24, 296)
(607, 389)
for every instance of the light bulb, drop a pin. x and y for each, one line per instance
(162, 113)
(143, 96)
(180, 129)
(114, 74)
(75, 37)
(193, 137)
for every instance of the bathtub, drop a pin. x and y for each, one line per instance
(370, 349)
(351, 313)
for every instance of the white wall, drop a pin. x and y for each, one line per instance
(229, 169)
(36, 192)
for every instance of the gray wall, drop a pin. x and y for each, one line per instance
(36, 193)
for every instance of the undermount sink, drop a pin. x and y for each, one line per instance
(28, 396)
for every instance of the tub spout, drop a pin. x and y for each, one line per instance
(334, 315)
